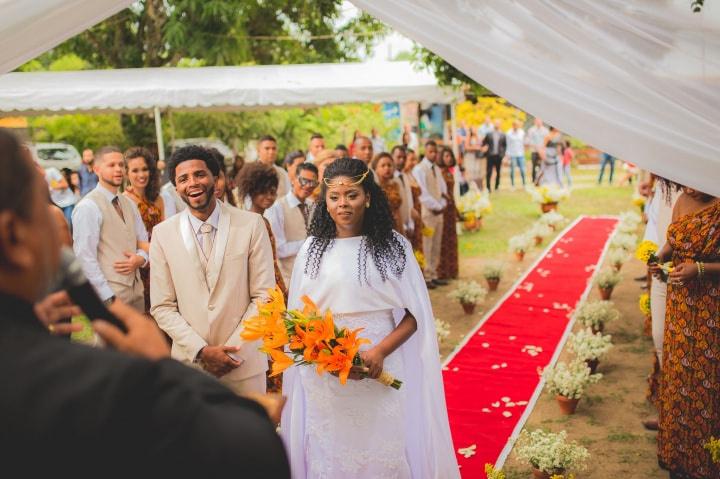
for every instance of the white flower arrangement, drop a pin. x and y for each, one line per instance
(548, 194)
(442, 328)
(550, 452)
(624, 241)
(607, 278)
(617, 256)
(553, 219)
(588, 345)
(541, 230)
(594, 314)
(627, 228)
(474, 203)
(468, 292)
(569, 380)
(630, 217)
(520, 243)
(493, 270)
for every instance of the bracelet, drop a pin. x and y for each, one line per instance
(701, 268)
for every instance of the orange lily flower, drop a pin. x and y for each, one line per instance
(310, 308)
(336, 361)
(351, 343)
(281, 361)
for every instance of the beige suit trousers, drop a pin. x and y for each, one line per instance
(431, 245)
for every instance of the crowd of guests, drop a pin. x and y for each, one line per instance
(685, 312)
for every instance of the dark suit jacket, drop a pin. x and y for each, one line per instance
(488, 140)
(100, 413)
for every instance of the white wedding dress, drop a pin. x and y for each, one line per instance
(365, 429)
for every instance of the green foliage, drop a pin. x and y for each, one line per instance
(448, 74)
(82, 131)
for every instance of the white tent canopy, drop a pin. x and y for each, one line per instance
(639, 79)
(217, 88)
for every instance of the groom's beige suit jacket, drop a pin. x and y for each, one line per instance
(197, 305)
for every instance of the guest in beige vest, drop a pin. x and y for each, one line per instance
(267, 154)
(406, 210)
(290, 215)
(210, 264)
(432, 198)
(109, 236)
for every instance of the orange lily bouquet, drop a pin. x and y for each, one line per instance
(310, 337)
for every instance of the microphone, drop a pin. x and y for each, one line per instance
(72, 279)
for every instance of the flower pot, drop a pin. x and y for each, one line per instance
(598, 329)
(592, 364)
(492, 283)
(547, 207)
(605, 293)
(519, 255)
(538, 240)
(552, 227)
(469, 308)
(538, 474)
(567, 405)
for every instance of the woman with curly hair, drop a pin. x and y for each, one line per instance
(259, 183)
(356, 266)
(143, 189)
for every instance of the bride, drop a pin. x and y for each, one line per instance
(354, 264)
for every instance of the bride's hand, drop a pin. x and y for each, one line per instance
(373, 360)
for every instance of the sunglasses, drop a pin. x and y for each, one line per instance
(306, 182)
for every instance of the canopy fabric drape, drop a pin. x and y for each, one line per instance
(639, 79)
(218, 88)
(30, 27)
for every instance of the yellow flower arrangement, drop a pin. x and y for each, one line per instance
(420, 257)
(639, 201)
(713, 446)
(493, 473)
(428, 232)
(644, 304)
(647, 251)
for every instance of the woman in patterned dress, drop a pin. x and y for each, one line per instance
(384, 168)
(448, 267)
(416, 236)
(144, 190)
(690, 374)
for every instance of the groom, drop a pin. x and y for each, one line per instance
(210, 263)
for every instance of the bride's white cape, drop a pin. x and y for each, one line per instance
(429, 447)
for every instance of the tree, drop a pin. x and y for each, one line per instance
(447, 74)
(153, 33)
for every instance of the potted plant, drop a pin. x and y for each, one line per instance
(568, 382)
(623, 241)
(606, 280)
(617, 258)
(473, 206)
(469, 294)
(630, 218)
(539, 232)
(595, 314)
(550, 453)
(553, 220)
(590, 347)
(519, 245)
(442, 328)
(493, 273)
(548, 197)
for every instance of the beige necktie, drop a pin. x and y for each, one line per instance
(304, 210)
(207, 239)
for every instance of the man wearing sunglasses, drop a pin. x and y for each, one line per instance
(290, 216)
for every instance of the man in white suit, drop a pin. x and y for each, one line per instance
(210, 263)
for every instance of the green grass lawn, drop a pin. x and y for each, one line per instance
(513, 212)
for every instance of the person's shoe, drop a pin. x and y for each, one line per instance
(430, 285)
(440, 282)
(640, 278)
(643, 286)
(650, 424)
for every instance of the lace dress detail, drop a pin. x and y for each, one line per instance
(356, 430)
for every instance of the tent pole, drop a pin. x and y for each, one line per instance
(453, 129)
(159, 135)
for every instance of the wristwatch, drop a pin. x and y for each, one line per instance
(109, 301)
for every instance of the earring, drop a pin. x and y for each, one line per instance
(367, 205)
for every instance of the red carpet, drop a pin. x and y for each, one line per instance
(491, 380)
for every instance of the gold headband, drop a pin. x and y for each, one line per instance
(354, 180)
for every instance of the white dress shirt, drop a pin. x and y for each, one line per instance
(213, 220)
(536, 137)
(515, 142)
(274, 215)
(425, 197)
(87, 222)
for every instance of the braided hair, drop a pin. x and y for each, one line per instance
(379, 241)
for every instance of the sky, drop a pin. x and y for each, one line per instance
(386, 49)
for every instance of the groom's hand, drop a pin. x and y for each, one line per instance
(216, 361)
